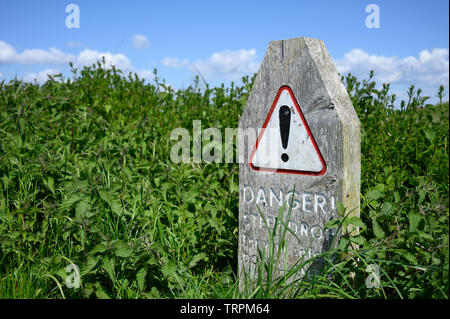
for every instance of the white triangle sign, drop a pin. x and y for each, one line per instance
(286, 144)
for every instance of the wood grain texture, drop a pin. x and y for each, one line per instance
(304, 65)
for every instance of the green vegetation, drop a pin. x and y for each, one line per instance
(86, 179)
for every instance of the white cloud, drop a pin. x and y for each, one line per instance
(1, 75)
(41, 77)
(88, 57)
(33, 56)
(144, 74)
(7, 53)
(140, 42)
(74, 44)
(432, 67)
(38, 56)
(53, 56)
(427, 71)
(175, 62)
(230, 65)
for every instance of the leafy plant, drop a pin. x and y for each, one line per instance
(86, 179)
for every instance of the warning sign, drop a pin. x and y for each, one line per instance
(286, 144)
(304, 159)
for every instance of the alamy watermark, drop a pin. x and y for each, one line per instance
(211, 146)
(73, 279)
(73, 19)
(373, 280)
(373, 19)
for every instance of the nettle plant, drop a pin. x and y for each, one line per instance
(86, 180)
(404, 182)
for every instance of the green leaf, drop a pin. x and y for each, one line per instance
(169, 270)
(101, 293)
(13, 235)
(108, 265)
(123, 250)
(213, 223)
(105, 195)
(113, 203)
(88, 290)
(359, 240)
(82, 209)
(100, 248)
(332, 224)
(90, 265)
(410, 257)
(414, 220)
(62, 273)
(374, 194)
(341, 209)
(140, 278)
(426, 236)
(355, 220)
(397, 197)
(116, 207)
(79, 185)
(51, 184)
(430, 135)
(390, 181)
(422, 194)
(377, 230)
(343, 243)
(152, 294)
(82, 237)
(22, 124)
(196, 259)
(72, 199)
(388, 208)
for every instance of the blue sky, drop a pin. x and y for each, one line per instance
(225, 40)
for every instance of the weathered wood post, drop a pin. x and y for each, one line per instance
(305, 152)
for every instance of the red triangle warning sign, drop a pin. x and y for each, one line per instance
(286, 144)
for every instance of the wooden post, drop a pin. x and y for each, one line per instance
(306, 153)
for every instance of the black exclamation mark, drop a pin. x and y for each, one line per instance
(285, 125)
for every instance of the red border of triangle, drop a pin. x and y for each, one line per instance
(280, 170)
